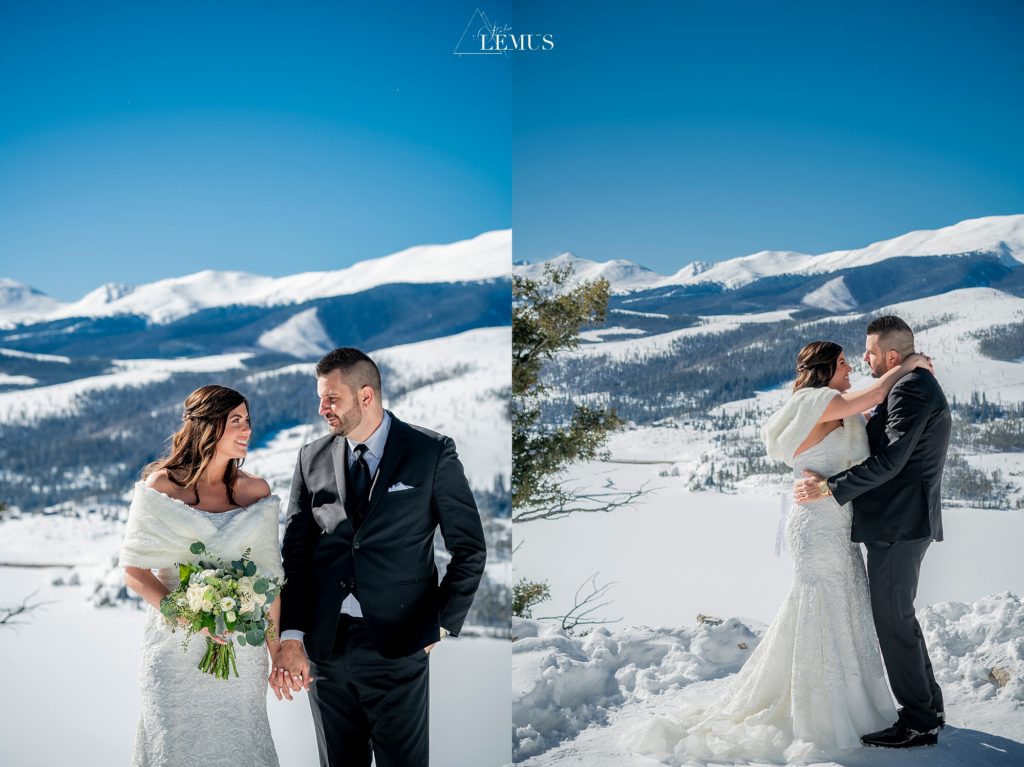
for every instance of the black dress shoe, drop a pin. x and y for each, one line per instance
(900, 736)
(941, 715)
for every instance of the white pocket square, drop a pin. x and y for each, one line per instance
(400, 486)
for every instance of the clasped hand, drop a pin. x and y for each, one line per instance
(290, 671)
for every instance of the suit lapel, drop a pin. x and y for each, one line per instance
(339, 457)
(876, 426)
(394, 449)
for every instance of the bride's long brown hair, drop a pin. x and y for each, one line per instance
(203, 421)
(816, 364)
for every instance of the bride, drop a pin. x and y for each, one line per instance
(815, 683)
(197, 493)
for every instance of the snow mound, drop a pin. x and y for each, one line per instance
(562, 684)
(978, 649)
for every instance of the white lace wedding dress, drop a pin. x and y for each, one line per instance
(189, 717)
(814, 684)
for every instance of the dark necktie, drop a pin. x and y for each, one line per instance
(359, 485)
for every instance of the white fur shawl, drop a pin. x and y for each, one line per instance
(786, 430)
(161, 529)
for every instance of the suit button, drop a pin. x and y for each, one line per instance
(355, 545)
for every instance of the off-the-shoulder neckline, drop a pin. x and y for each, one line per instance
(144, 486)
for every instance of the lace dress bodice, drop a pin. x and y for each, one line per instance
(826, 457)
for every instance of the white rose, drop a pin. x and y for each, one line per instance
(248, 602)
(207, 606)
(261, 599)
(195, 597)
(230, 617)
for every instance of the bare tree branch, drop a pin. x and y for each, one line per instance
(572, 502)
(583, 608)
(9, 615)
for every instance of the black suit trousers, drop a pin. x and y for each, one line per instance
(893, 573)
(364, 703)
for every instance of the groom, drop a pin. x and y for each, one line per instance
(362, 606)
(897, 514)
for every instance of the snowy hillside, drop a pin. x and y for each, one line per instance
(456, 386)
(486, 256)
(28, 406)
(951, 323)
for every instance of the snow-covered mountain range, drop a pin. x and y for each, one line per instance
(484, 257)
(420, 293)
(998, 237)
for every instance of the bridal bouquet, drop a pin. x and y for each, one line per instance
(221, 598)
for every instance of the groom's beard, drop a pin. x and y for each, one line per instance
(346, 423)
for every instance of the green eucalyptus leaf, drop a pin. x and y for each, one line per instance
(261, 586)
(197, 548)
(241, 639)
(167, 607)
(252, 637)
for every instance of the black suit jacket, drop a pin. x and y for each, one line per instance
(389, 562)
(896, 493)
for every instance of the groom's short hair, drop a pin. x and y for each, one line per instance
(355, 365)
(893, 333)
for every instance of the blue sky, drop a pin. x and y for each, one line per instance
(142, 140)
(678, 131)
